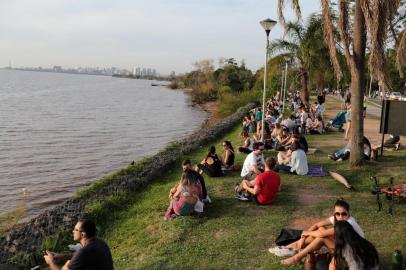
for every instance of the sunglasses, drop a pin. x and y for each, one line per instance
(342, 214)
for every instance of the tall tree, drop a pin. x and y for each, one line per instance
(370, 17)
(302, 47)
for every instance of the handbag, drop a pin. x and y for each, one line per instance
(288, 236)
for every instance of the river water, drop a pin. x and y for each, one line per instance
(59, 131)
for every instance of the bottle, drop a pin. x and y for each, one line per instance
(397, 260)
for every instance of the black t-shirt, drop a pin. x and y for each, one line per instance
(95, 255)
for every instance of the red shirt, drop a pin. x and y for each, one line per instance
(268, 184)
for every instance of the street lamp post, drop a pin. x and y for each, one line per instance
(267, 24)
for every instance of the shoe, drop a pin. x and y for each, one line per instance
(237, 188)
(397, 146)
(331, 157)
(206, 200)
(282, 251)
(275, 249)
(242, 198)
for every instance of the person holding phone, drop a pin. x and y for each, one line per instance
(94, 253)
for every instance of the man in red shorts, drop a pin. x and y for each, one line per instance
(264, 187)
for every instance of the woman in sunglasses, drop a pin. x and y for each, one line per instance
(320, 234)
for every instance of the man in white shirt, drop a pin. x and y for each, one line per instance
(253, 163)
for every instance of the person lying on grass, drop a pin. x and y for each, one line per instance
(322, 233)
(344, 153)
(184, 196)
(264, 187)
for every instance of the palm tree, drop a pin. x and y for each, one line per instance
(303, 48)
(369, 16)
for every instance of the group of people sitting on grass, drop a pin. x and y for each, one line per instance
(261, 182)
(341, 235)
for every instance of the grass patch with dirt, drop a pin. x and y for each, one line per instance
(236, 235)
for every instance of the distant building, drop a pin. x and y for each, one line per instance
(57, 69)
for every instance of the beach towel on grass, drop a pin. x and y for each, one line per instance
(316, 170)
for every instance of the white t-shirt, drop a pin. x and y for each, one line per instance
(353, 223)
(303, 117)
(251, 160)
(309, 122)
(298, 162)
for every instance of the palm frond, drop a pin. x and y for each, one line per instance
(329, 38)
(281, 45)
(344, 31)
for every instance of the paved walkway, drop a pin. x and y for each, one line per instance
(371, 123)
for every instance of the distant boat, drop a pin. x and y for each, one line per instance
(153, 84)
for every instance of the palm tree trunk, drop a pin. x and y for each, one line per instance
(358, 87)
(305, 94)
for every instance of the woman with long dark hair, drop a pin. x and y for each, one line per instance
(227, 159)
(319, 234)
(352, 250)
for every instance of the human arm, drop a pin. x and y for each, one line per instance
(319, 233)
(255, 169)
(250, 186)
(50, 258)
(226, 157)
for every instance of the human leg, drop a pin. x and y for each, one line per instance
(283, 168)
(316, 244)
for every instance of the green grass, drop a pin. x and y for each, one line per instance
(235, 235)
(232, 234)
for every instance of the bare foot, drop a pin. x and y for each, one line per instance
(291, 260)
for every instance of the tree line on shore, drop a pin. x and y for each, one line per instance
(343, 47)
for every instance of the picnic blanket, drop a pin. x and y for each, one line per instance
(316, 170)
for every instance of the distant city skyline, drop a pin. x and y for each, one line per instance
(167, 35)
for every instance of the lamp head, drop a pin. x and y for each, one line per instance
(267, 24)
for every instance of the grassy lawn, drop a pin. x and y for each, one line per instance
(236, 235)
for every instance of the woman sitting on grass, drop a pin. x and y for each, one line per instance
(352, 250)
(317, 126)
(318, 235)
(184, 196)
(248, 143)
(227, 159)
(296, 162)
(211, 164)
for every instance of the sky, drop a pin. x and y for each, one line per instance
(168, 35)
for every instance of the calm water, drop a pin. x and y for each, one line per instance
(60, 131)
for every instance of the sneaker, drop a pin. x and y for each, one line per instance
(331, 157)
(242, 198)
(206, 200)
(237, 188)
(397, 146)
(275, 249)
(285, 252)
(282, 251)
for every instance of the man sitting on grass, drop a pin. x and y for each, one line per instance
(253, 162)
(264, 187)
(94, 253)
